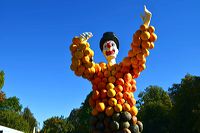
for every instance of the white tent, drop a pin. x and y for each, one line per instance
(8, 130)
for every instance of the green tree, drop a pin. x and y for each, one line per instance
(29, 118)
(1, 79)
(12, 104)
(154, 106)
(2, 94)
(186, 110)
(80, 117)
(57, 125)
(13, 120)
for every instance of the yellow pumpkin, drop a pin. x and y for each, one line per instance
(112, 102)
(133, 111)
(111, 93)
(145, 35)
(118, 108)
(110, 86)
(100, 107)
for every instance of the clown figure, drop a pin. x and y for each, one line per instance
(113, 84)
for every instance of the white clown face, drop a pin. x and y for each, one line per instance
(110, 50)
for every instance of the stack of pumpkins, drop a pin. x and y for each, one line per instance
(112, 100)
(82, 58)
(113, 103)
(143, 40)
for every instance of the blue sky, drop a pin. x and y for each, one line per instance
(35, 36)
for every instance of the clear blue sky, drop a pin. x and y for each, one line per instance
(35, 36)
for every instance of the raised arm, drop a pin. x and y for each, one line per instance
(82, 56)
(143, 41)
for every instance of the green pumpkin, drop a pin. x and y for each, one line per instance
(124, 125)
(126, 130)
(107, 121)
(100, 126)
(134, 129)
(114, 125)
(116, 117)
(93, 120)
(126, 116)
(101, 116)
(140, 125)
(107, 130)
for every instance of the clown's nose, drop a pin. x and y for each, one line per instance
(108, 45)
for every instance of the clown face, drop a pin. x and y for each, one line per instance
(110, 50)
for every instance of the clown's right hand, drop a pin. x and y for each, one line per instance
(86, 35)
(146, 18)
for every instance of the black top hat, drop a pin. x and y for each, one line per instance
(108, 36)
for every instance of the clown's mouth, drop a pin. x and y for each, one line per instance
(108, 53)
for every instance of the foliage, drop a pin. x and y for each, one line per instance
(29, 118)
(10, 112)
(12, 104)
(154, 105)
(1, 79)
(186, 109)
(57, 125)
(2, 95)
(13, 120)
(80, 117)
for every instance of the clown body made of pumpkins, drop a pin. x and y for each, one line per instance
(112, 100)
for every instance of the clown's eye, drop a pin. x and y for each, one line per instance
(112, 44)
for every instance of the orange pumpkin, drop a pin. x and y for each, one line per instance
(151, 29)
(143, 27)
(119, 75)
(107, 73)
(127, 77)
(134, 120)
(101, 85)
(121, 101)
(127, 87)
(91, 102)
(94, 112)
(76, 40)
(119, 95)
(73, 48)
(95, 94)
(109, 111)
(126, 107)
(152, 45)
(118, 88)
(120, 81)
(138, 33)
(111, 79)
(153, 37)
(103, 93)
(131, 101)
(104, 80)
(145, 44)
(127, 95)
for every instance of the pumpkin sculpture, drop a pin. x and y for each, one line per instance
(112, 101)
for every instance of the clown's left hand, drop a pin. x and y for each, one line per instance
(146, 18)
(86, 35)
